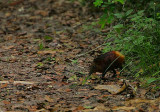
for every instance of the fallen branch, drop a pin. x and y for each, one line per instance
(17, 82)
(90, 50)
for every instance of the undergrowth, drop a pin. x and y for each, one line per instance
(135, 28)
(139, 41)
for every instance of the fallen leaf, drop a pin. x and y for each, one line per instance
(47, 52)
(113, 89)
(79, 108)
(6, 102)
(48, 98)
(41, 12)
(134, 101)
(101, 107)
(4, 85)
(68, 90)
(15, 3)
(7, 47)
(59, 68)
(123, 108)
(47, 77)
(33, 108)
(74, 77)
(122, 88)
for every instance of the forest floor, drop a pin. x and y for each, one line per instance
(46, 49)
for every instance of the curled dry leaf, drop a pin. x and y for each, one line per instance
(80, 108)
(6, 102)
(113, 89)
(123, 108)
(7, 47)
(48, 98)
(41, 12)
(4, 85)
(59, 68)
(102, 108)
(47, 52)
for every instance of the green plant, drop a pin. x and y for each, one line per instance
(74, 61)
(136, 34)
(48, 38)
(40, 64)
(120, 9)
(41, 46)
(50, 59)
(140, 41)
(134, 26)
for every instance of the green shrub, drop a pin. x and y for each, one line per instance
(120, 9)
(135, 28)
(140, 41)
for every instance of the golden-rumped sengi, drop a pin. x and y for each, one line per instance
(107, 62)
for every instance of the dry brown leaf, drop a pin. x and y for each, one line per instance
(78, 109)
(47, 77)
(33, 108)
(123, 108)
(122, 88)
(101, 107)
(15, 3)
(65, 40)
(113, 89)
(68, 90)
(48, 98)
(7, 47)
(9, 37)
(134, 101)
(59, 68)
(47, 52)
(7, 14)
(6, 102)
(4, 85)
(41, 12)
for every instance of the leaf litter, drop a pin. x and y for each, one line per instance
(48, 77)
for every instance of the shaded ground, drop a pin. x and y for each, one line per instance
(40, 66)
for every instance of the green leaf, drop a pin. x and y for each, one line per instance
(107, 47)
(136, 18)
(110, 19)
(74, 61)
(40, 64)
(88, 107)
(85, 79)
(129, 12)
(139, 41)
(41, 46)
(119, 15)
(72, 86)
(48, 38)
(121, 1)
(158, 15)
(118, 26)
(150, 80)
(103, 21)
(74, 77)
(98, 3)
(140, 12)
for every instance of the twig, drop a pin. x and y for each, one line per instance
(90, 50)
(16, 82)
(16, 3)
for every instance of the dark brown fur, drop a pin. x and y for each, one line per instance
(106, 62)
